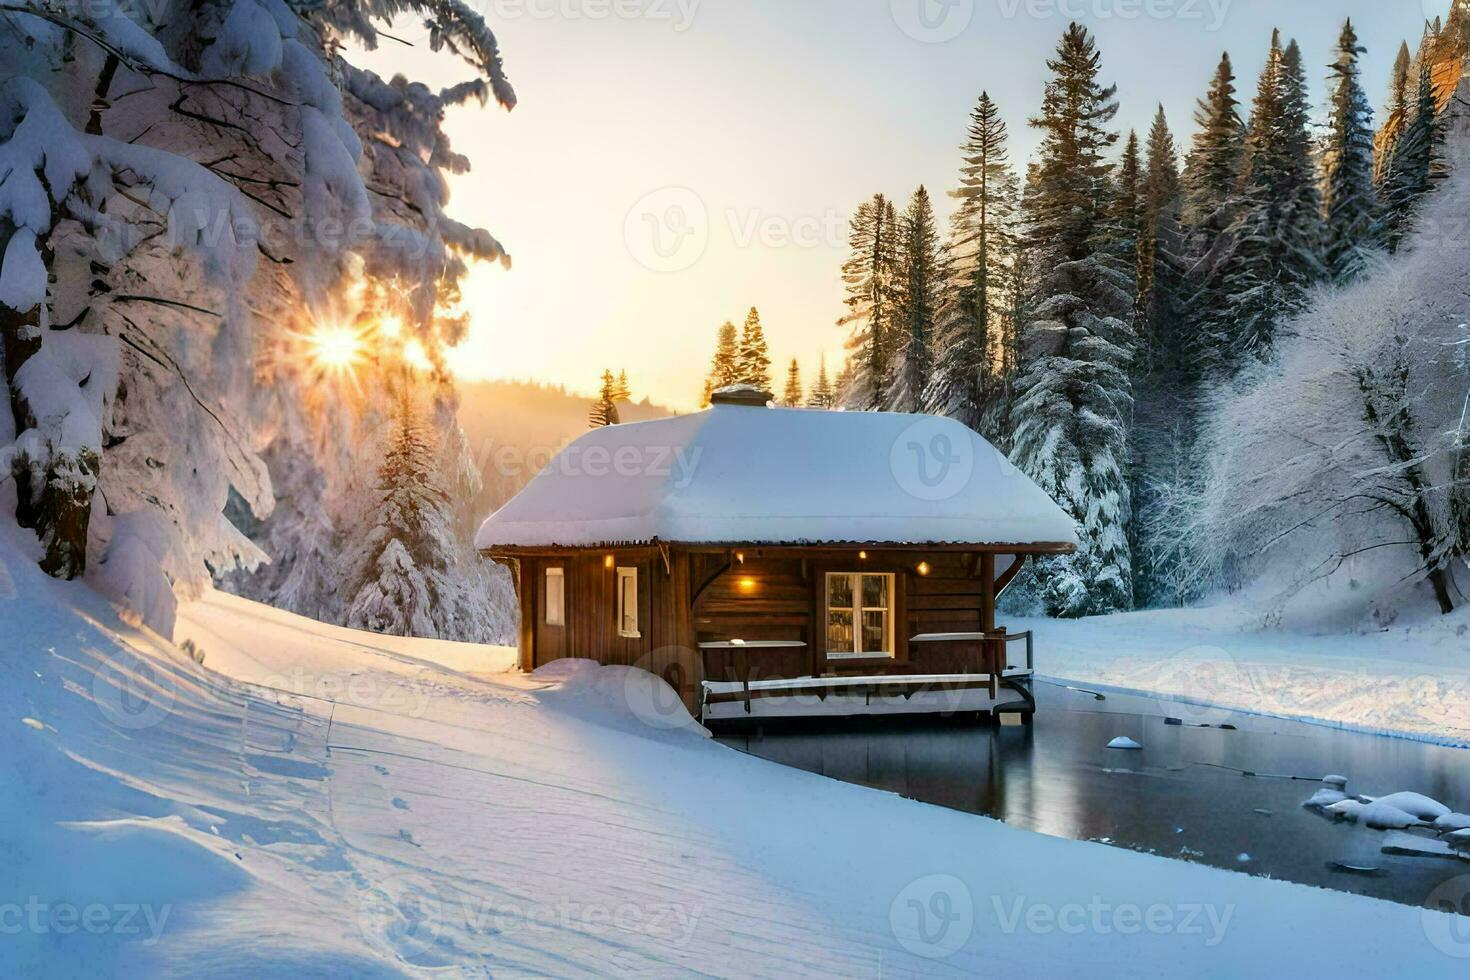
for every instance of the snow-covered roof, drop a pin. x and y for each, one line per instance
(747, 475)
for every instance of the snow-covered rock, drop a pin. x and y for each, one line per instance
(1332, 791)
(1378, 815)
(1124, 742)
(1416, 803)
(1452, 821)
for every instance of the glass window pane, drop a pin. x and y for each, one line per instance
(875, 632)
(555, 597)
(839, 591)
(839, 632)
(875, 591)
(628, 601)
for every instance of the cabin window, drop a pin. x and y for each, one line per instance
(556, 597)
(628, 602)
(859, 615)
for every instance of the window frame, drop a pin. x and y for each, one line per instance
(558, 572)
(857, 609)
(620, 610)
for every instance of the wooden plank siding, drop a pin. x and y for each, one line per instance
(691, 595)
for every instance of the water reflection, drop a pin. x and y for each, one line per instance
(1230, 797)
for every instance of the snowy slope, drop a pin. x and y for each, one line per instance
(1412, 681)
(501, 824)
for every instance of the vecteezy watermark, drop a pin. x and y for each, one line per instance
(651, 691)
(37, 916)
(1100, 917)
(932, 21)
(409, 915)
(1211, 13)
(677, 464)
(1446, 918)
(930, 461)
(933, 917)
(134, 696)
(678, 14)
(668, 230)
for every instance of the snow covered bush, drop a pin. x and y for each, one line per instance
(191, 193)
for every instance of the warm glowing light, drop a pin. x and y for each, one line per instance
(863, 555)
(607, 562)
(390, 326)
(923, 568)
(740, 557)
(416, 356)
(747, 585)
(336, 349)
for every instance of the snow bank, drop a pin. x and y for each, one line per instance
(1411, 681)
(526, 824)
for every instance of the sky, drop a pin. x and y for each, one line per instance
(672, 163)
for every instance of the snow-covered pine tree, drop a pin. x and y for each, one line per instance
(976, 331)
(1075, 395)
(755, 355)
(706, 396)
(871, 275)
(1348, 201)
(725, 370)
(1271, 255)
(621, 391)
(605, 409)
(792, 396)
(212, 135)
(398, 578)
(1408, 174)
(921, 268)
(1396, 113)
(822, 394)
(1165, 378)
(1212, 172)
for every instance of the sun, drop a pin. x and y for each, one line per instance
(336, 349)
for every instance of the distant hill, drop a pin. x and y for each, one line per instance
(515, 427)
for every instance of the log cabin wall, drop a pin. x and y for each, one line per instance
(665, 645)
(784, 598)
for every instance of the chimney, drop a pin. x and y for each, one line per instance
(748, 396)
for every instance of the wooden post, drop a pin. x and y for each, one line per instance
(993, 660)
(523, 575)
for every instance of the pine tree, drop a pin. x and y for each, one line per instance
(1075, 394)
(755, 357)
(1212, 173)
(397, 577)
(917, 304)
(976, 333)
(1400, 104)
(1165, 378)
(822, 394)
(1348, 202)
(725, 369)
(706, 397)
(1410, 170)
(1272, 249)
(792, 396)
(871, 275)
(605, 408)
(621, 391)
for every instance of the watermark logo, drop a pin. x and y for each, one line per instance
(653, 698)
(1211, 13)
(668, 230)
(1192, 680)
(929, 462)
(401, 916)
(933, 917)
(932, 21)
(1100, 917)
(1446, 918)
(132, 698)
(39, 917)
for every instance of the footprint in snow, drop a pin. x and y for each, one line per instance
(382, 770)
(399, 803)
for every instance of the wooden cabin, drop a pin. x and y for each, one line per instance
(775, 562)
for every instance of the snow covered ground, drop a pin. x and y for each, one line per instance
(314, 801)
(1412, 681)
